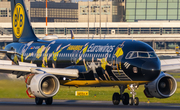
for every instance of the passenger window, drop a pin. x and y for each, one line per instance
(144, 55)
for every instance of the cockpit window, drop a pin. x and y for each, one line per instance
(134, 55)
(152, 54)
(129, 54)
(140, 54)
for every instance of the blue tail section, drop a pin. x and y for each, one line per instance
(22, 29)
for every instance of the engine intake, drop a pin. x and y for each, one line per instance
(43, 85)
(163, 87)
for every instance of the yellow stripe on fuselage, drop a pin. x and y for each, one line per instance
(78, 83)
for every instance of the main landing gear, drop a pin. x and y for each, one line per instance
(39, 101)
(125, 96)
(117, 97)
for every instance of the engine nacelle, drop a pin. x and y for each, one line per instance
(43, 85)
(162, 87)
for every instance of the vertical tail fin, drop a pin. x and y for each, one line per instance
(22, 29)
(72, 34)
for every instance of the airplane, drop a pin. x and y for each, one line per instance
(47, 64)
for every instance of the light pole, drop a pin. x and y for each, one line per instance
(46, 18)
(88, 19)
(100, 19)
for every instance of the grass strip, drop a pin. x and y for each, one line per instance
(17, 88)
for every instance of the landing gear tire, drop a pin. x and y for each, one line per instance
(125, 99)
(38, 101)
(136, 101)
(116, 98)
(49, 101)
(131, 101)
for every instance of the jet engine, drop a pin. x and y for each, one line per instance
(42, 85)
(162, 87)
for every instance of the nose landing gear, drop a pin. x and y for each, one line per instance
(133, 100)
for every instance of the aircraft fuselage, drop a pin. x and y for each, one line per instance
(103, 60)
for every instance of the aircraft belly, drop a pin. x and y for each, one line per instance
(79, 83)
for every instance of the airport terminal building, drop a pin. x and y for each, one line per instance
(156, 22)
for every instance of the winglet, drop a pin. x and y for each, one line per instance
(72, 34)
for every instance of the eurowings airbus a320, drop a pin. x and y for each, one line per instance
(46, 64)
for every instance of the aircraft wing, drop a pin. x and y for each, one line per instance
(26, 68)
(170, 64)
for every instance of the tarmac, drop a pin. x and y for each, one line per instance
(29, 104)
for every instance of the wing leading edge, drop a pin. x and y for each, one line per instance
(26, 68)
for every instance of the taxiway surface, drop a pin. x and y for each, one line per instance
(29, 104)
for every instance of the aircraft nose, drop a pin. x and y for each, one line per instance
(151, 69)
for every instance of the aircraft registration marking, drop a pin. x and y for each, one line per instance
(82, 93)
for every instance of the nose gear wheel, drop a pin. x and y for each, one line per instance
(136, 101)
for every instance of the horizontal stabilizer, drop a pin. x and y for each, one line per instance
(8, 51)
(5, 62)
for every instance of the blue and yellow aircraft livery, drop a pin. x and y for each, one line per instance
(102, 62)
